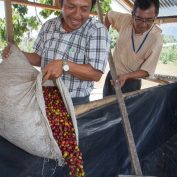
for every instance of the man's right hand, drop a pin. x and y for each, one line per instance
(6, 52)
(53, 70)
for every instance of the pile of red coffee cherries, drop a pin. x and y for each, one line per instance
(63, 130)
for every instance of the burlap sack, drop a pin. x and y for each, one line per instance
(23, 119)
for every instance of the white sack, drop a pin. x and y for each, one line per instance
(23, 119)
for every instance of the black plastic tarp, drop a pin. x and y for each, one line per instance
(153, 118)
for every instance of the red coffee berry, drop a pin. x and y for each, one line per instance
(63, 130)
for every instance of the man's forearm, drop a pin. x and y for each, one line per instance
(84, 71)
(33, 58)
(137, 74)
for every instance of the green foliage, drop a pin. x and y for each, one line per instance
(105, 6)
(47, 2)
(169, 51)
(27, 45)
(46, 13)
(32, 23)
(169, 54)
(114, 35)
(21, 24)
(2, 35)
(21, 10)
(169, 39)
(2, 29)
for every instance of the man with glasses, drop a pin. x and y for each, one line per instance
(138, 47)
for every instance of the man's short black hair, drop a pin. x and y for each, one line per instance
(145, 4)
(93, 3)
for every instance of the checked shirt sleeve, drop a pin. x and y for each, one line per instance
(98, 47)
(39, 42)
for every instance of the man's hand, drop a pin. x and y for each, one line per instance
(53, 70)
(122, 79)
(6, 52)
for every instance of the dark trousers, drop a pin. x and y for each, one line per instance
(130, 85)
(80, 100)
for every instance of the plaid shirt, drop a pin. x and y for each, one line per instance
(90, 44)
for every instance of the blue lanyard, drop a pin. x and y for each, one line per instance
(133, 44)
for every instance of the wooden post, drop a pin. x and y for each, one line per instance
(9, 24)
(135, 164)
(100, 15)
(56, 4)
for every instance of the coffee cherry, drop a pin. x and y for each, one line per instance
(63, 131)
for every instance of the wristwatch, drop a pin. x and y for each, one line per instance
(65, 66)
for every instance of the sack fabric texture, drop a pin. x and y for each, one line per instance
(23, 119)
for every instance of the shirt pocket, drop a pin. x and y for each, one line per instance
(76, 55)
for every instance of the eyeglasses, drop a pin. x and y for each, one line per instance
(148, 21)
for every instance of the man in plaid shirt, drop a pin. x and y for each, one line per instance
(73, 46)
